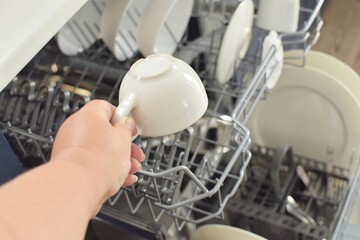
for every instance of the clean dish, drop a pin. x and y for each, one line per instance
(217, 231)
(275, 66)
(163, 94)
(82, 30)
(311, 111)
(330, 65)
(162, 26)
(236, 41)
(278, 15)
(119, 26)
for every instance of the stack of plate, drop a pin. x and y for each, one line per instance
(82, 30)
(316, 109)
(127, 27)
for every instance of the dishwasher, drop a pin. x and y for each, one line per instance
(209, 173)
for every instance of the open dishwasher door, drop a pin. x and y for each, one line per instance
(26, 26)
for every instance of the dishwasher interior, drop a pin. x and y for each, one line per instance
(210, 172)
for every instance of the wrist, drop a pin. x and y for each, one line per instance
(84, 162)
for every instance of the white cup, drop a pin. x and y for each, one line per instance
(278, 15)
(163, 94)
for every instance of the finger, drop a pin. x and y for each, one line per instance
(126, 122)
(137, 152)
(107, 109)
(131, 179)
(135, 166)
(102, 107)
(135, 132)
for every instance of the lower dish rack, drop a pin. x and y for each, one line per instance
(267, 208)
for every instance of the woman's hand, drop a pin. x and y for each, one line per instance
(105, 150)
(90, 161)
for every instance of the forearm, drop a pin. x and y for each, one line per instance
(91, 160)
(53, 201)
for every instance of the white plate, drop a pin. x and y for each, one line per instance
(82, 30)
(236, 41)
(311, 111)
(119, 26)
(162, 26)
(276, 63)
(332, 66)
(217, 232)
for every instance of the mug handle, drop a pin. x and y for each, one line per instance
(124, 109)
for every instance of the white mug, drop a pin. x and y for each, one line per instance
(163, 94)
(278, 15)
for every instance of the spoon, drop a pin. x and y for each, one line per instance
(294, 209)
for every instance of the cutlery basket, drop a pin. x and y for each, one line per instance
(256, 207)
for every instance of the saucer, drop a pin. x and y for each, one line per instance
(119, 26)
(162, 26)
(312, 111)
(236, 41)
(82, 30)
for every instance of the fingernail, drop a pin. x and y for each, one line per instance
(140, 166)
(142, 157)
(135, 178)
(128, 122)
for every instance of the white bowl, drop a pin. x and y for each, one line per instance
(163, 25)
(278, 15)
(82, 30)
(217, 232)
(119, 26)
(163, 94)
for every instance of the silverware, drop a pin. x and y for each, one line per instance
(42, 108)
(304, 177)
(329, 168)
(295, 210)
(27, 93)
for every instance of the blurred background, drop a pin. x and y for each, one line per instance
(341, 31)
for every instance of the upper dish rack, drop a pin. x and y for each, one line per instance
(307, 35)
(204, 163)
